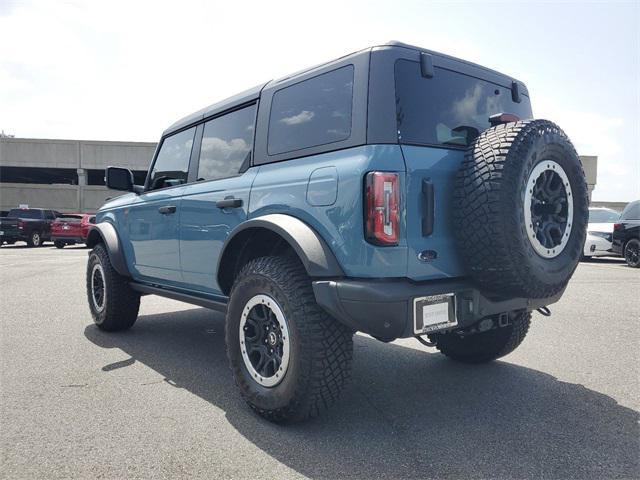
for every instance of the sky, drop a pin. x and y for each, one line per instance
(125, 70)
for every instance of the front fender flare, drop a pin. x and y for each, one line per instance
(313, 251)
(105, 232)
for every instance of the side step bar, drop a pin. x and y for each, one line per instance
(218, 305)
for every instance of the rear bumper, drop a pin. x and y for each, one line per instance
(384, 308)
(595, 246)
(60, 238)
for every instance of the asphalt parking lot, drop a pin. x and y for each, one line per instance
(159, 400)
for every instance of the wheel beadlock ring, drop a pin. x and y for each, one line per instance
(548, 209)
(98, 287)
(264, 340)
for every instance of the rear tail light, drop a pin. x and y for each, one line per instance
(382, 215)
(20, 225)
(617, 226)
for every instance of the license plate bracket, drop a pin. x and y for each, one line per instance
(434, 313)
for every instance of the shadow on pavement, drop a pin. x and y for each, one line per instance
(407, 413)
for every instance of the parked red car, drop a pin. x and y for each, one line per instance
(71, 228)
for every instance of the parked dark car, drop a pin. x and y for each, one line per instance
(71, 228)
(626, 234)
(31, 225)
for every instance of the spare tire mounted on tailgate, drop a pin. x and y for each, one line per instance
(521, 209)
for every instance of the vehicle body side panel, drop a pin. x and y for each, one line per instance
(282, 188)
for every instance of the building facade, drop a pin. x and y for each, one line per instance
(68, 175)
(65, 175)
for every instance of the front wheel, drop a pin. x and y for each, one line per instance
(485, 346)
(113, 303)
(632, 253)
(289, 358)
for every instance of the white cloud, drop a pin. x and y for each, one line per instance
(303, 117)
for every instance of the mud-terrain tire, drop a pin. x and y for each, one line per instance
(59, 244)
(506, 175)
(320, 349)
(486, 346)
(632, 253)
(34, 240)
(117, 307)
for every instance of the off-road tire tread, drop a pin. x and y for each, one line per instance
(487, 346)
(328, 367)
(123, 303)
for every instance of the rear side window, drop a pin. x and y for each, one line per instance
(226, 144)
(172, 163)
(313, 112)
(631, 211)
(449, 109)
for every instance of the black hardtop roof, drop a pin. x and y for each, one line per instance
(254, 93)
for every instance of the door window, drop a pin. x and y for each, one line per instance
(227, 142)
(172, 163)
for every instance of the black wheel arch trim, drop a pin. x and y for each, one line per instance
(314, 253)
(105, 232)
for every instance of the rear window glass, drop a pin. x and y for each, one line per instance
(20, 213)
(603, 215)
(70, 218)
(311, 113)
(449, 109)
(631, 211)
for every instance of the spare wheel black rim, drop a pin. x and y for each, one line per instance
(548, 209)
(264, 340)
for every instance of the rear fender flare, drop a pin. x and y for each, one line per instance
(314, 253)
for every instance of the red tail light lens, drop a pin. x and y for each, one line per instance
(382, 215)
(617, 226)
(20, 225)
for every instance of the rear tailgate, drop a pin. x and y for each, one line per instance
(66, 227)
(9, 226)
(431, 255)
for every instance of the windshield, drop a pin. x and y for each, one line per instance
(603, 215)
(19, 213)
(450, 108)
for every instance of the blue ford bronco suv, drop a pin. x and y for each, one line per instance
(395, 191)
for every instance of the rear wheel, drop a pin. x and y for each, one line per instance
(289, 358)
(114, 305)
(34, 240)
(632, 253)
(485, 346)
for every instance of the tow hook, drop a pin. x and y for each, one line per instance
(544, 311)
(426, 343)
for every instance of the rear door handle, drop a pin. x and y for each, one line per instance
(229, 202)
(167, 209)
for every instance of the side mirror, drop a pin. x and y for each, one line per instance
(117, 178)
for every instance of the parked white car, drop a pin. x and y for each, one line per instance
(600, 232)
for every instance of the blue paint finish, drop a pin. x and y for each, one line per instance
(282, 188)
(204, 227)
(322, 189)
(439, 166)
